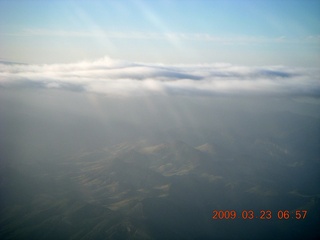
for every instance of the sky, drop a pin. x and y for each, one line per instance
(246, 33)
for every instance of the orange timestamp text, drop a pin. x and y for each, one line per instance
(262, 214)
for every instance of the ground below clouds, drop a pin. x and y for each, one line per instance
(79, 166)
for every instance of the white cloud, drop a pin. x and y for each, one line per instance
(113, 77)
(165, 35)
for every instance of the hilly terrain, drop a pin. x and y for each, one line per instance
(162, 191)
(119, 174)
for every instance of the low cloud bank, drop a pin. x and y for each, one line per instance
(121, 78)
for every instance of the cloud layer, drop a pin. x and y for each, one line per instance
(169, 36)
(121, 78)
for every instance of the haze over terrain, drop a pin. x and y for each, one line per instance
(129, 120)
(82, 165)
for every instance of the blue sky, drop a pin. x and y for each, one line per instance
(244, 32)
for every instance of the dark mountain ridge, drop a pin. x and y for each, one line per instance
(85, 167)
(155, 192)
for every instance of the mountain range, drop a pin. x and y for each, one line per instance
(164, 191)
(76, 166)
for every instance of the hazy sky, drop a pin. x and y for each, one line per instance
(243, 32)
